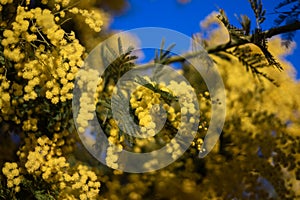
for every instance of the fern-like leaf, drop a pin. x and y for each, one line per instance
(259, 12)
(234, 32)
(245, 23)
(119, 66)
(285, 3)
(253, 62)
(288, 16)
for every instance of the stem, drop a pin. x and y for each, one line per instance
(173, 59)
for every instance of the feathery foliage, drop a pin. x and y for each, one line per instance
(288, 12)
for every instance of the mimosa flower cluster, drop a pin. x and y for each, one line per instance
(39, 59)
(12, 172)
(56, 59)
(44, 56)
(43, 158)
(149, 107)
(91, 85)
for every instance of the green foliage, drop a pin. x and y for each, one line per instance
(37, 190)
(118, 63)
(287, 16)
(235, 33)
(240, 37)
(163, 55)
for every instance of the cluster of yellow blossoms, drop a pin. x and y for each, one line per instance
(90, 85)
(145, 104)
(45, 56)
(144, 100)
(12, 172)
(92, 18)
(112, 157)
(37, 78)
(43, 158)
(5, 98)
(57, 58)
(30, 124)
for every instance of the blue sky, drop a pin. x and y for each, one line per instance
(185, 18)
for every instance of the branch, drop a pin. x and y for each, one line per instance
(283, 29)
(233, 43)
